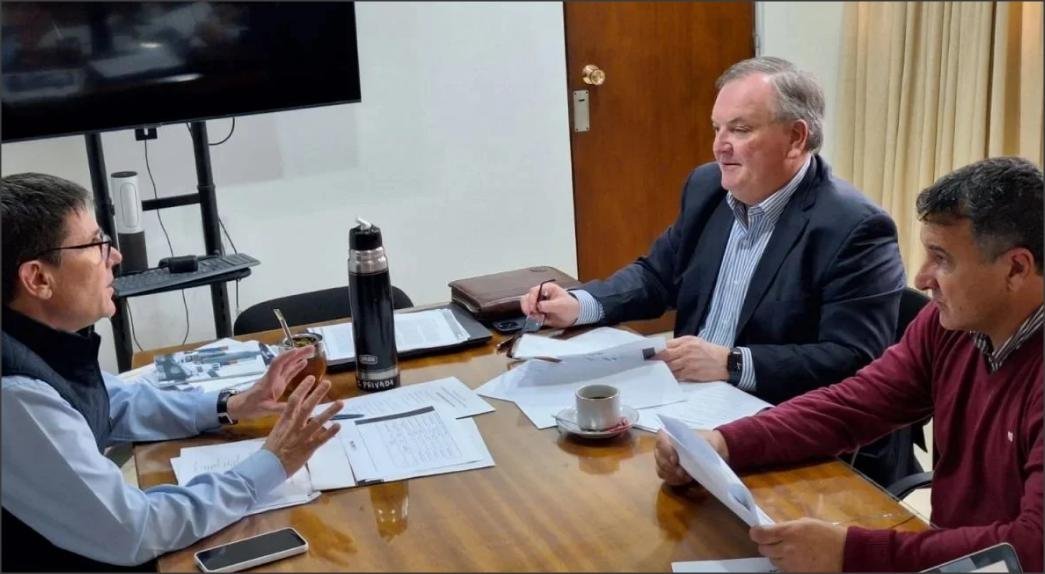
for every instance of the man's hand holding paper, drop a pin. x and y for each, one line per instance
(701, 461)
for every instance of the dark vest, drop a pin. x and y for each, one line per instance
(68, 362)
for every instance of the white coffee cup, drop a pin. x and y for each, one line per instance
(598, 407)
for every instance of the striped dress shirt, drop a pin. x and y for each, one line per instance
(752, 228)
(995, 357)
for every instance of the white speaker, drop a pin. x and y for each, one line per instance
(123, 186)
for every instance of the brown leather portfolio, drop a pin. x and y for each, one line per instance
(496, 296)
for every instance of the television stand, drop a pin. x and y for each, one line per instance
(105, 212)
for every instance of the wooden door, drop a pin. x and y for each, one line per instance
(650, 120)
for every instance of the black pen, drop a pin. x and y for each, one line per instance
(344, 416)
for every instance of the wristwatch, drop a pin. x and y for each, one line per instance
(735, 365)
(223, 407)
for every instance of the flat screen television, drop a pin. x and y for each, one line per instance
(77, 67)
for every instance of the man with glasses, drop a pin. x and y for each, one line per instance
(65, 505)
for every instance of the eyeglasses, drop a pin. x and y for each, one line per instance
(104, 246)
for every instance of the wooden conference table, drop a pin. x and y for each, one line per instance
(551, 502)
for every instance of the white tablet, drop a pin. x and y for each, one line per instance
(997, 558)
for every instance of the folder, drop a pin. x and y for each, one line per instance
(496, 296)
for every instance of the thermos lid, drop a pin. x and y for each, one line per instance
(364, 236)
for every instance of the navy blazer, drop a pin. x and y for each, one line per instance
(822, 302)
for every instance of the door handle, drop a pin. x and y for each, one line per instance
(593, 75)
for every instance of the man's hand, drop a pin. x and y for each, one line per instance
(559, 308)
(668, 467)
(804, 545)
(297, 434)
(262, 398)
(694, 359)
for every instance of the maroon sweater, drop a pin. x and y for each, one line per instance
(987, 432)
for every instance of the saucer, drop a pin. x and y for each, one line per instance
(566, 419)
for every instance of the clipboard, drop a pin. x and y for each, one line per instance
(477, 335)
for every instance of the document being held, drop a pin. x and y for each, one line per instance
(701, 461)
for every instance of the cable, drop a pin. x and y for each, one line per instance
(227, 236)
(156, 194)
(130, 319)
(231, 130)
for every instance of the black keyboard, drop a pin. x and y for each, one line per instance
(210, 270)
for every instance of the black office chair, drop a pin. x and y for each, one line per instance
(305, 308)
(899, 443)
(911, 303)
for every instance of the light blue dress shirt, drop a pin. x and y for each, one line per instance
(752, 228)
(55, 480)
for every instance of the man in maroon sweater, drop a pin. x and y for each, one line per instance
(972, 359)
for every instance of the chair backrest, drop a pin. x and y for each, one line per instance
(305, 308)
(911, 303)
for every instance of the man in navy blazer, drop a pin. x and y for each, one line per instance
(785, 278)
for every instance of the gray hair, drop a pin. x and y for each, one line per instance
(798, 94)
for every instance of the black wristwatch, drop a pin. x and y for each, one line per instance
(735, 365)
(223, 407)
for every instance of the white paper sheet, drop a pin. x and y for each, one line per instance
(198, 460)
(405, 444)
(430, 329)
(573, 368)
(449, 392)
(329, 467)
(707, 406)
(541, 388)
(474, 438)
(701, 461)
(530, 345)
(737, 565)
(649, 384)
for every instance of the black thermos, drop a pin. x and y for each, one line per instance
(370, 296)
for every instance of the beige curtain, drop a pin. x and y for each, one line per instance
(927, 87)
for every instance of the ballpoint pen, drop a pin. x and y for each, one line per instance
(345, 416)
(531, 325)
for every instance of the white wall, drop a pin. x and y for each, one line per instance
(810, 35)
(461, 137)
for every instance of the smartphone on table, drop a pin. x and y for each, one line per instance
(253, 551)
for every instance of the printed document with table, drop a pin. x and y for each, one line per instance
(408, 432)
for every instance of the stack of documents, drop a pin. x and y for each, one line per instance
(224, 361)
(547, 383)
(223, 364)
(403, 433)
(433, 329)
(421, 442)
(407, 432)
